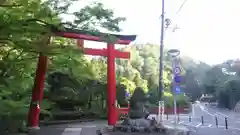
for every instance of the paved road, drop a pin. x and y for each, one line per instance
(86, 128)
(233, 119)
(209, 115)
(208, 127)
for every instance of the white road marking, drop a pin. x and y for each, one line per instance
(181, 122)
(198, 125)
(90, 126)
(201, 106)
(207, 125)
(82, 126)
(228, 116)
(203, 109)
(213, 115)
(74, 131)
(230, 128)
(221, 114)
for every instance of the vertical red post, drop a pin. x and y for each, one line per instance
(111, 94)
(37, 92)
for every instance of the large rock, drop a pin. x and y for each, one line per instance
(158, 130)
(145, 123)
(162, 130)
(138, 107)
(138, 113)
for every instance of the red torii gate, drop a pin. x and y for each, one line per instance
(110, 53)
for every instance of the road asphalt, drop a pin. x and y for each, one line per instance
(207, 127)
(86, 128)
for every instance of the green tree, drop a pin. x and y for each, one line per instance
(25, 33)
(221, 81)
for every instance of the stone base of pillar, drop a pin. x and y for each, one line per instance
(34, 128)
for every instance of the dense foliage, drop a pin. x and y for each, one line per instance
(219, 83)
(74, 82)
(223, 83)
(25, 32)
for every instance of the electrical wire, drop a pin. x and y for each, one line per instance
(180, 8)
(175, 27)
(178, 11)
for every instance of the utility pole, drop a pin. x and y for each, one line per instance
(161, 85)
(161, 67)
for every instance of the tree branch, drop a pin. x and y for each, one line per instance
(10, 6)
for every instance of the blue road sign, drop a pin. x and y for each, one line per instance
(127, 94)
(177, 79)
(177, 70)
(177, 90)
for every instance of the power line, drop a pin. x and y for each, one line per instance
(179, 9)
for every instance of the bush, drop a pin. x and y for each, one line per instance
(182, 101)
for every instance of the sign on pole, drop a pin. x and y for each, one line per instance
(127, 94)
(177, 70)
(177, 90)
(177, 79)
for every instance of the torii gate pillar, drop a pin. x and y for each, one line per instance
(111, 92)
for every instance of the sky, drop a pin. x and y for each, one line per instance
(208, 29)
